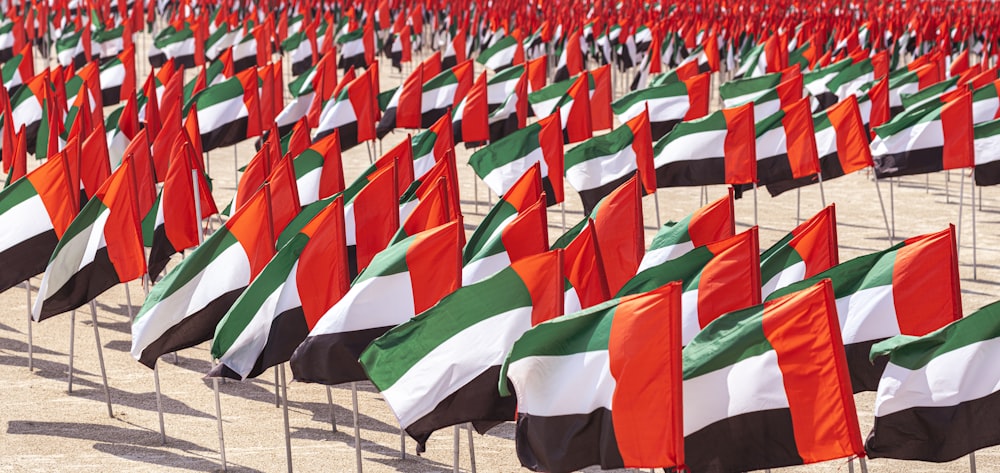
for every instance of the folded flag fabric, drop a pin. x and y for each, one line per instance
(502, 163)
(441, 367)
(808, 250)
(403, 280)
(601, 386)
(937, 398)
(668, 105)
(229, 112)
(767, 387)
(909, 289)
(938, 135)
(709, 224)
(716, 149)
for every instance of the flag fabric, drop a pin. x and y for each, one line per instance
(935, 401)
(601, 386)
(441, 367)
(228, 112)
(786, 145)
(936, 136)
(183, 309)
(717, 278)
(767, 387)
(101, 248)
(351, 113)
(603, 163)
(808, 250)
(504, 53)
(35, 212)
(502, 163)
(987, 149)
(583, 265)
(668, 105)
(716, 149)
(276, 311)
(414, 273)
(709, 224)
(909, 289)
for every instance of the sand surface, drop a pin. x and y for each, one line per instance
(44, 428)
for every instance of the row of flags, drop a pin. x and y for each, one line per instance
(566, 337)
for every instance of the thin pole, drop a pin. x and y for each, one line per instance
(798, 205)
(100, 357)
(333, 414)
(236, 168)
(885, 217)
(475, 192)
(850, 465)
(892, 208)
(961, 204)
(72, 336)
(864, 464)
(562, 211)
(284, 404)
(277, 398)
(755, 204)
(456, 456)
(402, 443)
(159, 403)
(656, 203)
(31, 339)
(472, 448)
(357, 426)
(368, 146)
(947, 192)
(822, 195)
(975, 265)
(218, 422)
(972, 462)
(128, 301)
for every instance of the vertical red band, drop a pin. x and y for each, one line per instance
(925, 285)
(740, 145)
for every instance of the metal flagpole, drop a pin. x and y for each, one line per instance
(972, 462)
(798, 206)
(284, 404)
(562, 210)
(475, 192)
(333, 414)
(72, 335)
(850, 465)
(277, 398)
(755, 204)
(864, 464)
(159, 402)
(236, 168)
(656, 203)
(100, 357)
(885, 217)
(961, 204)
(402, 443)
(456, 456)
(892, 208)
(472, 449)
(218, 421)
(822, 195)
(128, 300)
(31, 340)
(357, 426)
(975, 266)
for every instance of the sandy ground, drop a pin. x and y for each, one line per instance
(44, 428)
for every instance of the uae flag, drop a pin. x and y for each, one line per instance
(716, 149)
(987, 148)
(937, 398)
(504, 53)
(786, 144)
(431, 145)
(816, 82)
(351, 113)
(717, 278)
(936, 136)
(354, 47)
(402, 281)
(668, 105)
(601, 386)
(444, 91)
(841, 144)
(986, 103)
(35, 212)
(502, 163)
(101, 248)
(441, 367)
(228, 112)
(117, 78)
(912, 87)
(18, 70)
(502, 84)
(278, 309)
(709, 224)
(175, 43)
(26, 107)
(514, 228)
(909, 289)
(741, 91)
(183, 309)
(767, 387)
(808, 250)
(603, 163)
(301, 48)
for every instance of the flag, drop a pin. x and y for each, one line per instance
(504, 53)
(441, 367)
(709, 224)
(583, 265)
(909, 289)
(402, 281)
(767, 387)
(229, 112)
(936, 136)
(717, 278)
(668, 105)
(935, 401)
(276, 311)
(101, 248)
(808, 250)
(502, 163)
(786, 145)
(716, 149)
(351, 113)
(987, 149)
(601, 386)
(601, 164)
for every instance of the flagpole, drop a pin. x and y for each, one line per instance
(31, 342)
(961, 205)
(128, 300)
(100, 357)
(563, 212)
(333, 414)
(357, 426)
(975, 266)
(236, 168)
(755, 204)
(277, 398)
(972, 462)
(456, 457)
(215, 380)
(892, 207)
(402, 443)
(864, 464)
(822, 195)
(798, 206)
(472, 449)
(475, 191)
(72, 335)
(656, 203)
(288, 434)
(885, 217)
